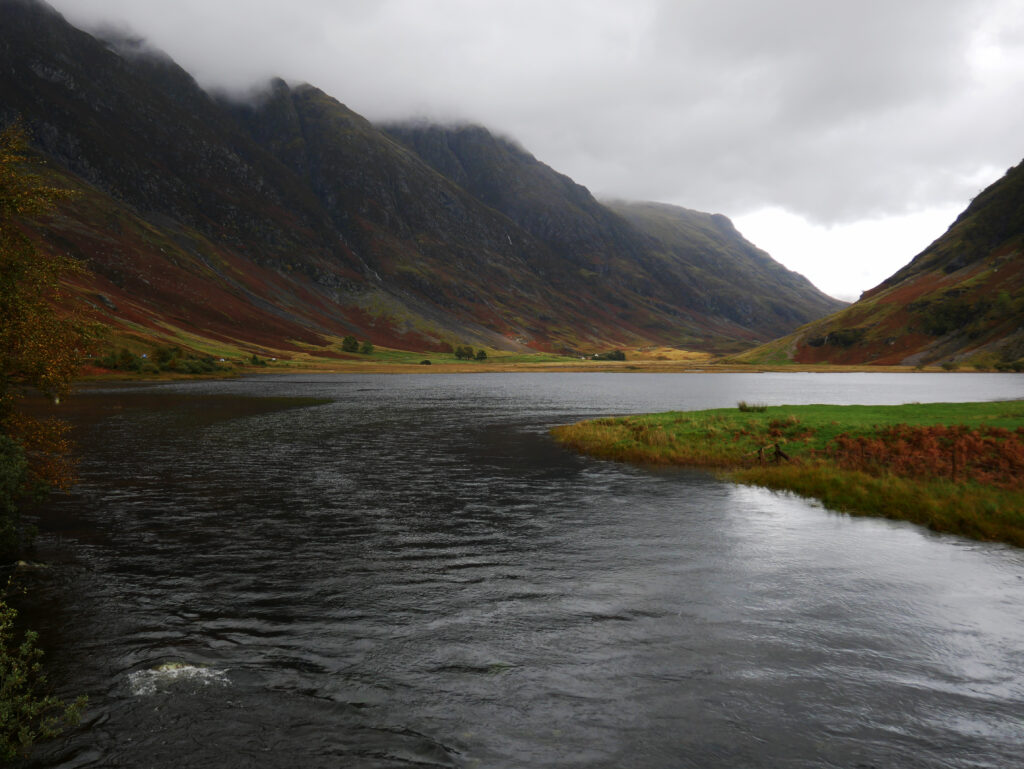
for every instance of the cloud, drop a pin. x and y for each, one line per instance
(845, 259)
(833, 112)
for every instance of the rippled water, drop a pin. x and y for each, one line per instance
(408, 572)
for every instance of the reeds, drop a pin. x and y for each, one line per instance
(751, 407)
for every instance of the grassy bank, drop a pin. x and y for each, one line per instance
(954, 467)
(143, 360)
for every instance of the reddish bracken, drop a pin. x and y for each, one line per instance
(992, 456)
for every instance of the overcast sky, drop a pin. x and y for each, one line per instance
(841, 137)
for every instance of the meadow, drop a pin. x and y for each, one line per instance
(954, 467)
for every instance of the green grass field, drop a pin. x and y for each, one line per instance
(955, 467)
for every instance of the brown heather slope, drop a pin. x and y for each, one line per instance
(289, 221)
(960, 301)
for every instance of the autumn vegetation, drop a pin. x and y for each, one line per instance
(41, 346)
(955, 468)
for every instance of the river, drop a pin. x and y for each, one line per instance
(406, 571)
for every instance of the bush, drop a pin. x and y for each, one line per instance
(125, 360)
(350, 344)
(367, 348)
(950, 365)
(845, 337)
(611, 355)
(749, 407)
(164, 355)
(27, 712)
(945, 317)
(13, 481)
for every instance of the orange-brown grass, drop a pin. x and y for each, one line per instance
(991, 456)
(956, 468)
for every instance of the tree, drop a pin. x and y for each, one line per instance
(41, 346)
(367, 348)
(350, 344)
(481, 354)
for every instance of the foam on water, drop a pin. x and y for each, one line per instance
(160, 678)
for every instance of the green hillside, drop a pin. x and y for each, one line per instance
(960, 302)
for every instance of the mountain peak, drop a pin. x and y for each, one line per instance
(287, 218)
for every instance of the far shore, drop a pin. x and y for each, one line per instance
(440, 366)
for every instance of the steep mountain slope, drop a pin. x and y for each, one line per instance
(289, 221)
(723, 272)
(961, 300)
(664, 254)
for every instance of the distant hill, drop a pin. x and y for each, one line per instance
(695, 262)
(288, 221)
(960, 301)
(722, 272)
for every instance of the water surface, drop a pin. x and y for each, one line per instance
(406, 571)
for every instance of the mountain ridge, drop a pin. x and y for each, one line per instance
(311, 223)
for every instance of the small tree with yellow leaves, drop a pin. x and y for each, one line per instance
(41, 344)
(40, 349)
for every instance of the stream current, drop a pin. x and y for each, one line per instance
(408, 572)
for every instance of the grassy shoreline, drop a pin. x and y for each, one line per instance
(442, 366)
(231, 361)
(954, 467)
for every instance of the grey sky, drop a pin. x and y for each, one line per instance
(803, 120)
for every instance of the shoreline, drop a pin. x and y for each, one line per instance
(955, 468)
(496, 367)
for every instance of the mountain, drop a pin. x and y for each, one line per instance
(722, 272)
(668, 255)
(286, 221)
(960, 301)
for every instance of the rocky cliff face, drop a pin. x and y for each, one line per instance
(292, 220)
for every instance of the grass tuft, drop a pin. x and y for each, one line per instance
(752, 407)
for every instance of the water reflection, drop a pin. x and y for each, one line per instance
(411, 572)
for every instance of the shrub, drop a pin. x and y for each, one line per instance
(164, 355)
(350, 344)
(367, 348)
(13, 480)
(612, 355)
(947, 316)
(128, 361)
(845, 337)
(27, 712)
(744, 406)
